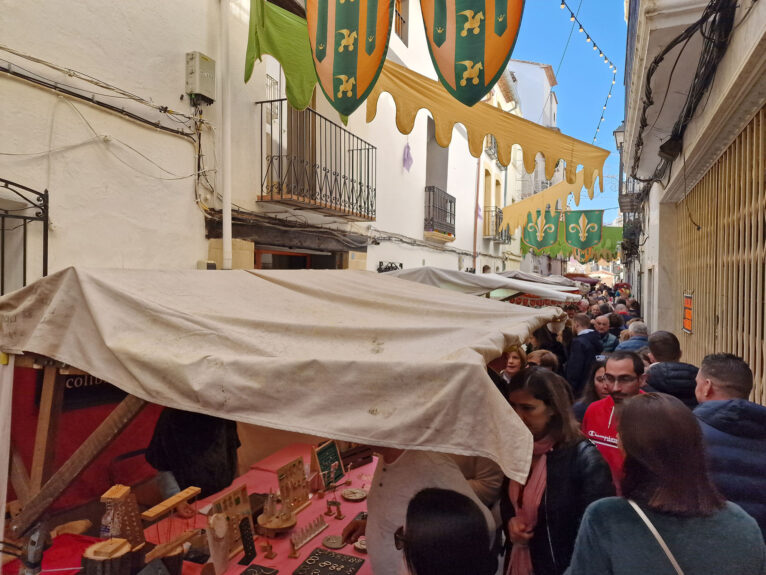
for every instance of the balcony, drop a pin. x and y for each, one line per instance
(308, 161)
(630, 197)
(493, 219)
(439, 224)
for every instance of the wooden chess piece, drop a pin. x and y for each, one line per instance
(338, 513)
(329, 508)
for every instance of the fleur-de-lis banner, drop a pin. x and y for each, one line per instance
(583, 228)
(470, 42)
(349, 41)
(541, 229)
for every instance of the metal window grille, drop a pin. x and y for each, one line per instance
(439, 211)
(20, 207)
(722, 255)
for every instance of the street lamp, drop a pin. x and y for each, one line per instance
(619, 140)
(619, 136)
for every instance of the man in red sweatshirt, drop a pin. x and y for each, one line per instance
(624, 376)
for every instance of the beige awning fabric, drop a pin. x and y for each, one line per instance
(344, 354)
(515, 215)
(481, 284)
(411, 92)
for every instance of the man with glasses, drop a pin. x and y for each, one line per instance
(624, 375)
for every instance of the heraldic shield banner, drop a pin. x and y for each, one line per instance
(542, 229)
(349, 41)
(583, 228)
(470, 42)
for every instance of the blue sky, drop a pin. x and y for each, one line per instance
(584, 78)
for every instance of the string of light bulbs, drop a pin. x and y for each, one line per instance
(601, 55)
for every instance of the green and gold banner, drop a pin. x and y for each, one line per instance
(470, 42)
(349, 41)
(583, 228)
(541, 230)
(607, 249)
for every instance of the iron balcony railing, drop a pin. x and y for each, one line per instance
(491, 147)
(629, 199)
(493, 219)
(20, 207)
(309, 161)
(439, 211)
(400, 24)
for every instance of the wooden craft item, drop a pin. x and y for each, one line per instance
(333, 542)
(361, 545)
(302, 536)
(246, 535)
(259, 570)
(326, 460)
(354, 494)
(170, 503)
(235, 506)
(324, 562)
(169, 548)
(268, 550)
(110, 557)
(126, 520)
(273, 521)
(218, 541)
(293, 485)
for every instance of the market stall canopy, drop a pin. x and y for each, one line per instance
(539, 278)
(350, 355)
(480, 284)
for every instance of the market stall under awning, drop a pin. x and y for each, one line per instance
(344, 354)
(497, 286)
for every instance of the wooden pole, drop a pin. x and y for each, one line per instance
(47, 428)
(91, 448)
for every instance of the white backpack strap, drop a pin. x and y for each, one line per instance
(657, 536)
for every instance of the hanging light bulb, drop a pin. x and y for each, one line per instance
(571, 17)
(581, 28)
(608, 96)
(594, 46)
(563, 4)
(600, 54)
(588, 39)
(604, 107)
(613, 81)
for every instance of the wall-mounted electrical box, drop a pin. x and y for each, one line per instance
(200, 78)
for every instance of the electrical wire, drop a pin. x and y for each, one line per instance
(571, 30)
(53, 151)
(92, 80)
(106, 139)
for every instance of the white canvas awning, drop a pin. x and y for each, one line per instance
(539, 278)
(480, 284)
(350, 355)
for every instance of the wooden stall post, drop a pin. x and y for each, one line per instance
(47, 427)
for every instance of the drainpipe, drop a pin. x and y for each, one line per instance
(225, 135)
(476, 212)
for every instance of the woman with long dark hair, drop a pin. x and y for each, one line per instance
(595, 388)
(445, 534)
(567, 473)
(670, 519)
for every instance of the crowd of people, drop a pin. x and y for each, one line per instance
(641, 464)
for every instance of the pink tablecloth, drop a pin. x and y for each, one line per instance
(259, 480)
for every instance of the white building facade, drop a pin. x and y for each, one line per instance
(135, 174)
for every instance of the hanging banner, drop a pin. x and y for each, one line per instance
(470, 42)
(349, 41)
(583, 228)
(542, 230)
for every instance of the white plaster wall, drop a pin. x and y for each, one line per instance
(534, 91)
(661, 298)
(107, 205)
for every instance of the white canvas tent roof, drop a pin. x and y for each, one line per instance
(535, 277)
(480, 284)
(349, 355)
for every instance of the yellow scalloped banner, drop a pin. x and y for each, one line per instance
(412, 92)
(515, 215)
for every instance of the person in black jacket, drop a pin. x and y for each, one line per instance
(582, 353)
(541, 518)
(667, 374)
(542, 338)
